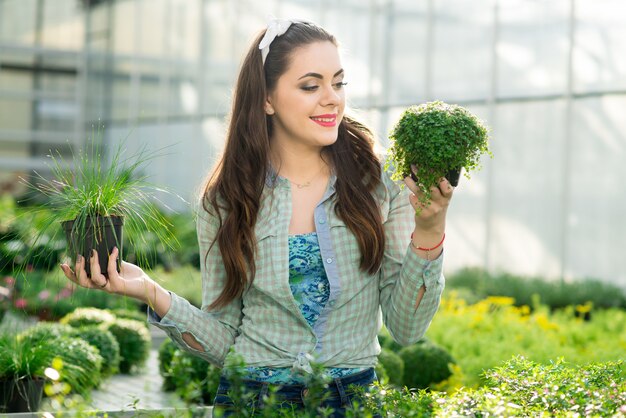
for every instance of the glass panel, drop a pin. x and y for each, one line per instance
(533, 47)
(597, 230)
(405, 52)
(17, 21)
(527, 190)
(152, 28)
(63, 24)
(599, 58)
(462, 39)
(16, 82)
(16, 113)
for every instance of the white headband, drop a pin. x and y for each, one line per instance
(275, 27)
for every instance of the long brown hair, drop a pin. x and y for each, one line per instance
(233, 190)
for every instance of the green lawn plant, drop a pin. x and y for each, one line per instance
(81, 317)
(105, 342)
(135, 342)
(440, 140)
(22, 371)
(85, 192)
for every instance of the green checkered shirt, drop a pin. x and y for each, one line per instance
(265, 325)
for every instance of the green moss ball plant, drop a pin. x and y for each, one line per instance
(425, 364)
(393, 365)
(105, 342)
(440, 140)
(81, 317)
(134, 340)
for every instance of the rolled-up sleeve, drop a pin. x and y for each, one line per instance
(403, 273)
(214, 330)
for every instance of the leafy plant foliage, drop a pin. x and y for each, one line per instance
(436, 137)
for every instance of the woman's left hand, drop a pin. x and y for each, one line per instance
(431, 219)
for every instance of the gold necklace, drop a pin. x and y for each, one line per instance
(307, 183)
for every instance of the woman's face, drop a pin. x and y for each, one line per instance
(308, 101)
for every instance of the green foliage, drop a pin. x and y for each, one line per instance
(194, 379)
(30, 353)
(393, 366)
(46, 330)
(83, 188)
(166, 354)
(21, 358)
(29, 241)
(593, 389)
(134, 340)
(50, 295)
(105, 342)
(425, 364)
(483, 335)
(81, 364)
(81, 317)
(480, 284)
(436, 137)
(184, 281)
(519, 388)
(129, 314)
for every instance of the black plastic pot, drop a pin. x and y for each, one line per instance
(22, 395)
(99, 233)
(453, 176)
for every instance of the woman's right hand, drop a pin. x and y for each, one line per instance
(131, 281)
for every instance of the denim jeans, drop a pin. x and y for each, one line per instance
(339, 394)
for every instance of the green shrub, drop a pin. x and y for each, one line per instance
(519, 388)
(81, 317)
(195, 380)
(134, 340)
(486, 334)
(381, 373)
(46, 330)
(166, 354)
(106, 344)
(425, 364)
(129, 314)
(555, 294)
(25, 357)
(393, 365)
(81, 364)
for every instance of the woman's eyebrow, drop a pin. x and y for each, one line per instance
(321, 77)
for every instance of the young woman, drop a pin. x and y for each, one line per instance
(304, 238)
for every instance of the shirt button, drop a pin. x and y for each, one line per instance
(329, 260)
(322, 221)
(331, 303)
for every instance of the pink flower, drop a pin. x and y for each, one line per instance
(21, 303)
(43, 295)
(10, 281)
(64, 293)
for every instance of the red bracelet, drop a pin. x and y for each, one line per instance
(428, 249)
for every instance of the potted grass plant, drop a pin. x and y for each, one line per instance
(22, 372)
(439, 140)
(98, 202)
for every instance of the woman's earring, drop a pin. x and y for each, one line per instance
(269, 110)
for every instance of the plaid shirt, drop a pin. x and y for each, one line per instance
(265, 324)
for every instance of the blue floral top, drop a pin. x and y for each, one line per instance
(311, 289)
